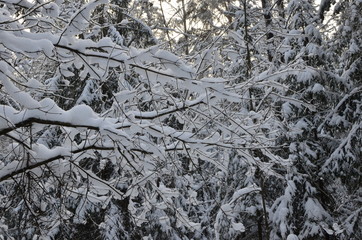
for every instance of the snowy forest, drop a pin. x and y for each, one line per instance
(182, 119)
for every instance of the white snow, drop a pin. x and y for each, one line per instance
(292, 237)
(244, 191)
(25, 45)
(51, 9)
(317, 88)
(238, 227)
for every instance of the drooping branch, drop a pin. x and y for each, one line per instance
(61, 153)
(33, 120)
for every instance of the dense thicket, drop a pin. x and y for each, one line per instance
(185, 119)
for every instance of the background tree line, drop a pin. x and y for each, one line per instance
(189, 119)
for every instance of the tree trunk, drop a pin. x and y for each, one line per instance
(268, 21)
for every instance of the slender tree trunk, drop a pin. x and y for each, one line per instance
(248, 52)
(268, 21)
(247, 40)
(265, 213)
(184, 22)
(260, 227)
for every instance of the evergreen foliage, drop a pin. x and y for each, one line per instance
(140, 119)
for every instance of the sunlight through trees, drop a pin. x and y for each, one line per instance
(185, 119)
